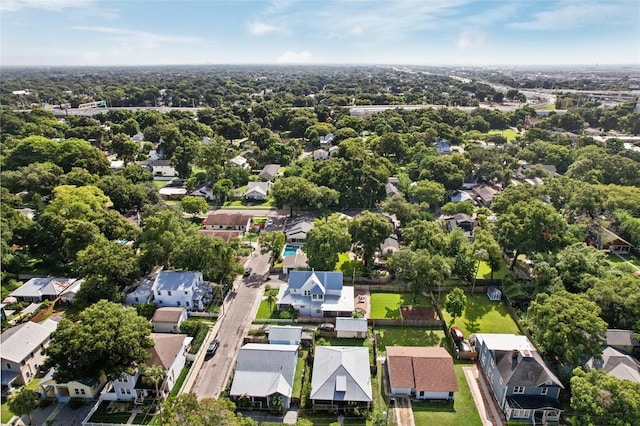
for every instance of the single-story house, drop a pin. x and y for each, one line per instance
(622, 340)
(285, 335)
(162, 168)
(239, 161)
(263, 371)
(257, 191)
(617, 364)
(295, 261)
(316, 294)
(22, 352)
(172, 192)
(392, 190)
(459, 196)
(351, 328)
(69, 293)
(168, 319)
(320, 154)
(389, 245)
(442, 147)
(421, 372)
(182, 289)
(227, 222)
(41, 289)
(484, 194)
(604, 239)
(85, 389)
(204, 190)
(269, 172)
(296, 231)
(341, 378)
(141, 293)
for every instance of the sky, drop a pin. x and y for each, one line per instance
(403, 32)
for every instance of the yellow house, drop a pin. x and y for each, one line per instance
(63, 392)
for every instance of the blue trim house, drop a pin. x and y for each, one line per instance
(523, 384)
(316, 294)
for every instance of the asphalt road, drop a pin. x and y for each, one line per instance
(239, 310)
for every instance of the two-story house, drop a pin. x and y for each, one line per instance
(22, 352)
(163, 168)
(181, 289)
(316, 294)
(523, 384)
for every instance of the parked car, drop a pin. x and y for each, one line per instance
(327, 326)
(212, 348)
(247, 272)
(456, 333)
(464, 346)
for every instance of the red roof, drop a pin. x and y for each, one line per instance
(226, 219)
(421, 368)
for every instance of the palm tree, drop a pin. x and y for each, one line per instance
(271, 299)
(154, 375)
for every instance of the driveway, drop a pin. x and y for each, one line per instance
(239, 310)
(486, 404)
(403, 412)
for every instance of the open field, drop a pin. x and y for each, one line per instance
(482, 315)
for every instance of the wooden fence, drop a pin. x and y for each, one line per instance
(373, 322)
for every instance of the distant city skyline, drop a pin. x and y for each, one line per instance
(415, 32)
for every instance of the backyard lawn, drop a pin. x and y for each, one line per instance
(510, 134)
(263, 310)
(6, 412)
(386, 305)
(484, 271)
(462, 412)
(482, 315)
(408, 336)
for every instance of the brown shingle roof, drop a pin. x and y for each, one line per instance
(421, 368)
(165, 349)
(226, 219)
(171, 315)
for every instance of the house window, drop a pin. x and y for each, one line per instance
(178, 303)
(128, 391)
(28, 374)
(22, 363)
(544, 391)
(122, 391)
(82, 391)
(137, 299)
(307, 293)
(518, 389)
(159, 293)
(8, 366)
(169, 293)
(186, 292)
(186, 303)
(123, 379)
(77, 391)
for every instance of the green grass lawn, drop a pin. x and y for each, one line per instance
(550, 107)
(615, 259)
(5, 412)
(342, 259)
(386, 305)
(462, 412)
(484, 272)
(510, 134)
(263, 310)
(160, 183)
(482, 315)
(408, 336)
(297, 380)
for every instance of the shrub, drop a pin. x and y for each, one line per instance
(188, 327)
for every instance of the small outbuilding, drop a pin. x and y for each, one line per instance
(354, 328)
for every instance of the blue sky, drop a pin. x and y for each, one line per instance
(420, 32)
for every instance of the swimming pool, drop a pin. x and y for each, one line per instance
(289, 250)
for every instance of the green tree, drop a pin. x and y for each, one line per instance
(109, 339)
(455, 302)
(619, 299)
(222, 188)
(420, 268)
(325, 241)
(293, 191)
(194, 205)
(215, 258)
(23, 401)
(425, 234)
(95, 288)
(368, 231)
(404, 210)
(161, 234)
(124, 148)
(600, 399)
(115, 262)
(491, 253)
(77, 202)
(567, 326)
(154, 375)
(428, 192)
(186, 409)
(272, 242)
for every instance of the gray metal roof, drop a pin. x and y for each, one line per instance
(341, 367)
(280, 333)
(262, 370)
(38, 287)
(329, 280)
(351, 324)
(18, 342)
(173, 280)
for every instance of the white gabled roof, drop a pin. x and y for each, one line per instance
(351, 324)
(20, 341)
(341, 367)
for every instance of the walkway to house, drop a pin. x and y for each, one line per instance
(485, 403)
(403, 412)
(628, 262)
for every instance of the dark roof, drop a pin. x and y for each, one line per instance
(269, 171)
(532, 401)
(226, 219)
(160, 163)
(524, 368)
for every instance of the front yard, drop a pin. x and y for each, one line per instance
(386, 305)
(482, 315)
(266, 310)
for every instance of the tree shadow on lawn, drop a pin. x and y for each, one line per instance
(410, 337)
(392, 313)
(474, 311)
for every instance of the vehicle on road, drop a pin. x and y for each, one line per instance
(212, 348)
(247, 272)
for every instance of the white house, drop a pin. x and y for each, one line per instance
(168, 320)
(40, 289)
(162, 168)
(169, 352)
(85, 389)
(296, 231)
(182, 289)
(354, 328)
(239, 161)
(22, 351)
(421, 372)
(285, 335)
(263, 371)
(227, 222)
(316, 294)
(141, 293)
(257, 191)
(325, 141)
(341, 377)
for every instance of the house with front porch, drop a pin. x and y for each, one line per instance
(524, 386)
(316, 294)
(85, 389)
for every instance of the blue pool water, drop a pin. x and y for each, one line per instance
(289, 250)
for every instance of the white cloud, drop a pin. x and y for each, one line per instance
(295, 57)
(54, 5)
(571, 14)
(139, 37)
(261, 28)
(471, 39)
(357, 30)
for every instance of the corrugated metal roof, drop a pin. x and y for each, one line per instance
(19, 342)
(352, 363)
(263, 370)
(351, 324)
(173, 280)
(278, 333)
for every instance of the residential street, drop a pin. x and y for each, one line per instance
(238, 313)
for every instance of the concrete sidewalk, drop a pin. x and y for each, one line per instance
(489, 413)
